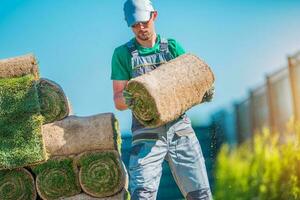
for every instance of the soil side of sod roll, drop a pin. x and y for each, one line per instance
(74, 135)
(19, 66)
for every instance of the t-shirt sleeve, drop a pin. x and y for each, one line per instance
(119, 68)
(175, 48)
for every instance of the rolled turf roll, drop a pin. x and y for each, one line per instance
(21, 141)
(17, 184)
(165, 93)
(19, 66)
(75, 135)
(101, 173)
(57, 178)
(123, 195)
(54, 103)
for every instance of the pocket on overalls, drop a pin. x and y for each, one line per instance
(183, 126)
(139, 151)
(187, 145)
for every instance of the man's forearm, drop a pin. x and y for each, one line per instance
(120, 101)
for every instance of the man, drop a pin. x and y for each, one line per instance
(175, 141)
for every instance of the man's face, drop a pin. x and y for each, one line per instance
(145, 30)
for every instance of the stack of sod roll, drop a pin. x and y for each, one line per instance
(165, 93)
(46, 153)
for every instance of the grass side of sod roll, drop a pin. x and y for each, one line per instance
(16, 184)
(21, 141)
(144, 108)
(57, 178)
(54, 103)
(117, 134)
(100, 173)
(127, 195)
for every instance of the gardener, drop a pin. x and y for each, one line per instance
(175, 141)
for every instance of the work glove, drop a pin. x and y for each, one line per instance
(209, 94)
(128, 99)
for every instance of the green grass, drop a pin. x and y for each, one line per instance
(53, 102)
(21, 142)
(57, 178)
(16, 184)
(127, 195)
(144, 107)
(100, 173)
(117, 134)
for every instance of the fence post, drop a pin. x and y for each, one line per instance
(293, 82)
(271, 105)
(252, 110)
(237, 124)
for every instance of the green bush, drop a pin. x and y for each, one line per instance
(264, 168)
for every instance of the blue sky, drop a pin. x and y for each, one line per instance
(74, 41)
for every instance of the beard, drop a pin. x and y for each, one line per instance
(144, 35)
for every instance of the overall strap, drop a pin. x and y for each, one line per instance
(164, 45)
(132, 48)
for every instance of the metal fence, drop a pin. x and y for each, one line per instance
(259, 108)
(294, 72)
(243, 120)
(280, 99)
(271, 105)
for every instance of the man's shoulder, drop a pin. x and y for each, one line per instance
(175, 47)
(120, 63)
(172, 41)
(169, 39)
(125, 46)
(121, 53)
(121, 49)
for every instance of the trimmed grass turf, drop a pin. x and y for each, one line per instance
(117, 134)
(21, 141)
(127, 195)
(57, 178)
(144, 107)
(16, 184)
(100, 173)
(54, 104)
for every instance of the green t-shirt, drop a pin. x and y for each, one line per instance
(121, 68)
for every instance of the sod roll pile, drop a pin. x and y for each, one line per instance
(165, 93)
(54, 103)
(84, 152)
(57, 178)
(101, 173)
(17, 184)
(19, 66)
(123, 195)
(74, 135)
(21, 141)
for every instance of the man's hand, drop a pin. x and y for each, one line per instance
(128, 99)
(209, 95)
